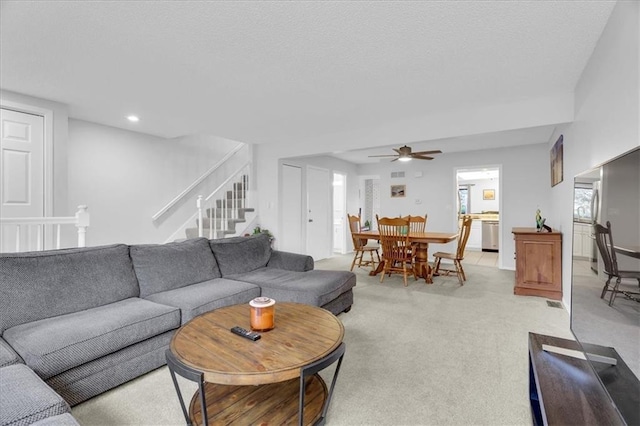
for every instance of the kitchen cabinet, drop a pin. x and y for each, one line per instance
(475, 236)
(538, 263)
(582, 240)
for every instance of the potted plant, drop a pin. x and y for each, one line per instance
(259, 230)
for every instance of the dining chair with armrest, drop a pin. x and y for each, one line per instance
(396, 248)
(604, 241)
(458, 256)
(360, 245)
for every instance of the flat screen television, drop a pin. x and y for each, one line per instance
(610, 192)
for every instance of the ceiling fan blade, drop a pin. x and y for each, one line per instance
(437, 151)
(421, 157)
(390, 155)
(395, 159)
(396, 150)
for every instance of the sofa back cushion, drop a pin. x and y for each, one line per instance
(162, 267)
(241, 254)
(38, 285)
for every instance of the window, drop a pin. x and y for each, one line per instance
(463, 197)
(582, 204)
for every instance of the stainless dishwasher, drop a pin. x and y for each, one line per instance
(490, 235)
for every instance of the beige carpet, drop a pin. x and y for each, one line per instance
(436, 354)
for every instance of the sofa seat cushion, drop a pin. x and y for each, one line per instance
(54, 345)
(162, 267)
(199, 298)
(316, 287)
(25, 398)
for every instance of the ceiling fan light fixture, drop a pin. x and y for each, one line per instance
(404, 158)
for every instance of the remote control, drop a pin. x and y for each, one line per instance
(245, 333)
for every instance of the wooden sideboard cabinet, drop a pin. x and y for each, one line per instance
(538, 263)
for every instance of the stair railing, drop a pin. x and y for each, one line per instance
(42, 224)
(226, 195)
(197, 182)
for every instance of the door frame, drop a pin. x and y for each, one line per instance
(500, 201)
(47, 115)
(345, 230)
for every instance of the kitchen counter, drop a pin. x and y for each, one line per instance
(484, 216)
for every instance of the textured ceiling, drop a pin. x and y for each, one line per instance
(286, 72)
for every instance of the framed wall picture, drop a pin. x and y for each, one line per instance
(557, 154)
(398, 191)
(488, 194)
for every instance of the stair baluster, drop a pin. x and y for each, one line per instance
(229, 209)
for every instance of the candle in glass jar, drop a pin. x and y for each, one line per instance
(263, 311)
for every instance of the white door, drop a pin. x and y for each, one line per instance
(319, 234)
(339, 212)
(21, 172)
(291, 227)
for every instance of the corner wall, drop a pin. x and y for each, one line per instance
(607, 112)
(126, 177)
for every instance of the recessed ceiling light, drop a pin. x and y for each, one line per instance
(133, 118)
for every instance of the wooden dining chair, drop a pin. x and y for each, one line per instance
(396, 248)
(416, 224)
(604, 241)
(458, 256)
(360, 246)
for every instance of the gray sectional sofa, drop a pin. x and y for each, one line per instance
(86, 320)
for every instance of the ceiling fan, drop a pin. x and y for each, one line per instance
(404, 154)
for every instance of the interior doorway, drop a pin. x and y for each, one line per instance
(369, 200)
(478, 192)
(339, 212)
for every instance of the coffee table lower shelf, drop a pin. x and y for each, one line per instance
(270, 404)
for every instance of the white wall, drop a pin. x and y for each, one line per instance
(126, 177)
(524, 187)
(607, 111)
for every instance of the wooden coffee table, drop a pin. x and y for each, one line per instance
(270, 381)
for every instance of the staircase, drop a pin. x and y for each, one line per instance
(226, 214)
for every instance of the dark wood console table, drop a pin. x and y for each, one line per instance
(566, 390)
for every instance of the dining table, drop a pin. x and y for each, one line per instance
(628, 250)
(422, 241)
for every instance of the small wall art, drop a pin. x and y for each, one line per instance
(398, 191)
(488, 194)
(556, 162)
